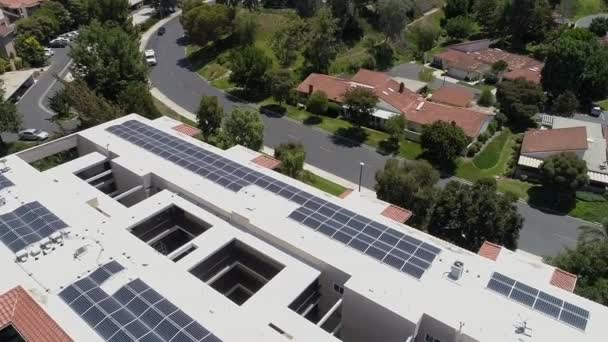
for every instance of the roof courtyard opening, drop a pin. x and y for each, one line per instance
(10, 334)
(169, 230)
(237, 271)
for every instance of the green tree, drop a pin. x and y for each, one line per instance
(566, 104)
(250, 66)
(595, 78)
(251, 5)
(499, 67)
(242, 127)
(317, 103)
(206, 23)
(486, 98)
(423, 37)
(164, 7)
(359, 104)
(30, 50)
(528, 21)
(383, 55)
(321, 48)
(10, 120)
(92, 108)
(469, 215)
(245, 29)
(519, 101)
(292, 156)
(564, 172)
(136, 98)
(288, 40)
(307, 8)
(599, 26)
(58, 13)
(393, 16)
(486, 13)
(209, 116)
(281, 82)
(395, 125)
(108, 60)
(443, 142)
(110, 12)
(409, 185)
(60, 104)
(79, 11)
(460, 28)
(456, 8)
(40, 27)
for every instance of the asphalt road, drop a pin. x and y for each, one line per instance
(543, 234)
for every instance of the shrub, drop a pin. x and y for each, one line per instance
(492, 127)
(473, 149)
(333, 109)
(18, 63)
(4, 65)
(519, 139)
(587, 196)
(486, 99)
(482, 138)
(317, 103)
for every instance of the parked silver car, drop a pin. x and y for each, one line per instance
(33, 134)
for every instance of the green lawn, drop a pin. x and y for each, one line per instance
(491, 154)
(604, 104)
(323, 184)
(588, 7)
(590, 211)
(499, 151)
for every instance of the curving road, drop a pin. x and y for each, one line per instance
(543, 234)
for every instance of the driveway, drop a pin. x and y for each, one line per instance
(585, 22)
(543, 234)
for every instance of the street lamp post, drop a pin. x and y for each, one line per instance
(361, 164)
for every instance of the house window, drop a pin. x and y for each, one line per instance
(430, 338)
(338, 288)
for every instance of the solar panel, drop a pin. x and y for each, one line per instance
(28, 224)
(134, 312)
(547, 304)
(405, 253)
(5, 182)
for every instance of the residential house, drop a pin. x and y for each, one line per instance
(587, 140)
(7, 37)
(471, 60)
(18, 9)
(396, 99)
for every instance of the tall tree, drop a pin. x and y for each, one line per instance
(42, 28)
(281, 83)
(469, 215)
(242, 127)
(395, 125)
(423, 37)
(564, 172)
(111, 12)
(288, 40)
(92, 108)
(55, 10)
(443, 142)
(30, 50)
(245, 29)
(321, 48)
(206, 23)
(599, 26)
(359, 104)
(460, 28)
(136, 98)
(209, 116)
(486, 12)
(250, 66)
(393, 16)
(529, 21)
(520, 100)
(456, 8)
(566, 104)
(10, 121)
(79, 11)
(292, 156)
(307, 8)
(251, 5)
(108, 60)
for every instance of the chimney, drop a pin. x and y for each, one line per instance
(401, 87)
(311, 88)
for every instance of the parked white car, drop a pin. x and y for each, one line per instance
(59, 42)
(48, 52)
(150, 57)
(33, 134)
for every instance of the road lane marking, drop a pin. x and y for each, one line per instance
(325, 149)
(46, 92)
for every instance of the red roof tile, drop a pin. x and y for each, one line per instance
(396, 213)
(554, 140)
(462, 60)
(187, 130)
(490, 250)
(370, 78)
(530, 75)
(19, 3)
(20, 310)
(564, 280)
(456, 96)
(267, 161)
(333, 87)
(469, 120)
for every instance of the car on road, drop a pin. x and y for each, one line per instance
(150, 57)
(162, 30)
(596, 110)
(59, 42)
(33, 134)
(48, 52)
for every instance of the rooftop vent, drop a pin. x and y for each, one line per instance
(419, 106)
(456, 271)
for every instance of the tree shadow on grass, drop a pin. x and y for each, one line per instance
(446, 168)
(350, 137)
(388, 147)
(273, 110)
(312, 120)
(244, 96)
(205, 54)
(551, 201)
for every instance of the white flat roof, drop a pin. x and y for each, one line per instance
(13, 80)
(251, 215)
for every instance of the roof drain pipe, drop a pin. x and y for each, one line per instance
(330, 312)
(128, 192)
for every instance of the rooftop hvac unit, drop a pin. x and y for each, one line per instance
(457, 269)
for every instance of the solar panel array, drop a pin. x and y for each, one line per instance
(389, 246)
(547, 304)
(28, 224)
(5, 182)
(133, 313)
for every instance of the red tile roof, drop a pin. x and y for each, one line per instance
(19, 3)
(490, 250)
(554, 140)
(396, 213)
(187, 130)
(20, 310)
(462, 60)
(267, 161)
(333, 87)
(564, 280)
(527, 74)
(456, 96)
(469, 120)
(370, 78)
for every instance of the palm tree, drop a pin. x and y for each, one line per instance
(594, 234)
